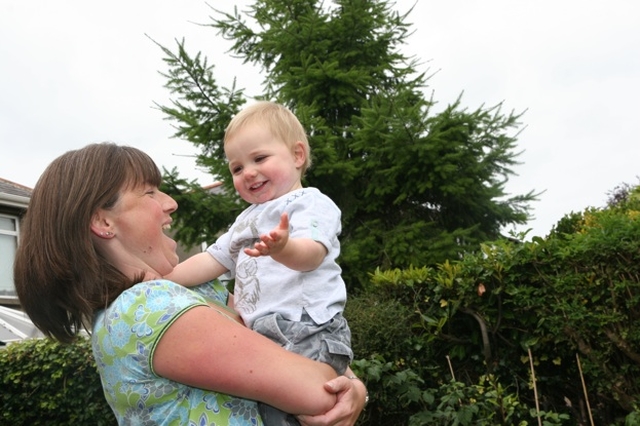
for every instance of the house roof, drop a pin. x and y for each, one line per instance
(12, 188)
(14, 195)
(214, 188)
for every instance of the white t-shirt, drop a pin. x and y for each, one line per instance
(264, 286)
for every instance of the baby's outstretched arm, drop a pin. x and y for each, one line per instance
(196, 270)
(273, 242)
(300, 254)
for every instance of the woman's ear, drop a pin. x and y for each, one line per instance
(100, 226)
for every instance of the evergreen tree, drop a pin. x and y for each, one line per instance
(415, 187)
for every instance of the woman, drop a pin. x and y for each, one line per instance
(93, 249)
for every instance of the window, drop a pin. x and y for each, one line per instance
(8, 245)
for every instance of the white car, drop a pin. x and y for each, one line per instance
(15, 325)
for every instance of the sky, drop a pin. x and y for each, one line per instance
(75, 72)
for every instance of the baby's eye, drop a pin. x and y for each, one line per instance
(236, 170)
(260, 158)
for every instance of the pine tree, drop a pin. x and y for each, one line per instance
(415, 187)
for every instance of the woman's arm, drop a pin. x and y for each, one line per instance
(352, 398)
(205, 349)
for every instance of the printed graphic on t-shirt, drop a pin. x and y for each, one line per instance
(246, 277)
(246, 235)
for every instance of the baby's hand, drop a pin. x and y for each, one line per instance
(273, 242)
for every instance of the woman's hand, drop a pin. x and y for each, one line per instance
(351, 396)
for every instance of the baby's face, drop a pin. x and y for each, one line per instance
(263, 167)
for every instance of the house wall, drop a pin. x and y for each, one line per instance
(14, 199)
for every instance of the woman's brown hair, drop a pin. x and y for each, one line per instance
(60, 278)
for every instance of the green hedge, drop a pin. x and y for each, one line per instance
(43, 382)
(461, 342)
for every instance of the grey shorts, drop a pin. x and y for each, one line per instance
(329, 342)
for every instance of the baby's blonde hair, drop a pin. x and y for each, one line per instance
(281, 122)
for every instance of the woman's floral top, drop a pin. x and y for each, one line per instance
(124, 338)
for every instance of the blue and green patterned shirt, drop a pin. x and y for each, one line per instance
(124, 338)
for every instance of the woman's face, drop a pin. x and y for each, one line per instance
(138, 222)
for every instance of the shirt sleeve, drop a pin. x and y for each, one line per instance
(139, 317)
(314, 216)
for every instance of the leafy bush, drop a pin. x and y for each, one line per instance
(559, 313)
(380, 326)
(48, 383)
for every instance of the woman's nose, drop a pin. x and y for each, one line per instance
(170, 204)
